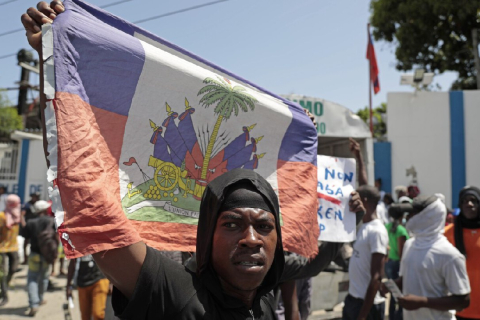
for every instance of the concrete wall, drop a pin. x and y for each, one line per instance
(439, 134)
(419, 130)
(36, 179)
(471, 100)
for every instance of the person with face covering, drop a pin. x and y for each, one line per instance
(464, 234)
(10, 220)
(433, 276)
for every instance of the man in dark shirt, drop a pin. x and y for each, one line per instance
(239, 247)
(37, 278)
(28, 214)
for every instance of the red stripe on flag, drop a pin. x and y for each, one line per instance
(328, 198)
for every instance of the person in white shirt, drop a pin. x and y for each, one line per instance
(433, 276)
(367, 263)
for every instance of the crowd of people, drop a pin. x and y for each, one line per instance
(240, 270)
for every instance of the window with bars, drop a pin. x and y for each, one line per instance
(8, 161)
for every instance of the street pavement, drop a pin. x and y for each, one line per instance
(55, 299)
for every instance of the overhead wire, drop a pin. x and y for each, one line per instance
(7, 2)
(8, 55)
(135, 22)
(179, 11)
(21, 29)
(103, 7)
(114, 4)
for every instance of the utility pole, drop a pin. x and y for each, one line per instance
(475, 55)
(25, 58)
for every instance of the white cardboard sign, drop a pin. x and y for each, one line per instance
(336, 180)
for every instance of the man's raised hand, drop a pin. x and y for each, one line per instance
(355, 203)
(34, 19)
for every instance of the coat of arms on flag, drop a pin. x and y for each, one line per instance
(137, 127)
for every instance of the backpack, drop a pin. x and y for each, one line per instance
(48, 243)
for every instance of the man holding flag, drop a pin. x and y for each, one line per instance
(239, 245)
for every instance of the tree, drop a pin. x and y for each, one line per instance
(228, 99)
(431, 34)
(9, 118)
(378, 115)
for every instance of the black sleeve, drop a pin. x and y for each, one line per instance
(26, 232)
(298, 267)
(163, 288)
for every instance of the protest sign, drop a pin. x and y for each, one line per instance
(336, 180)
(137, 127)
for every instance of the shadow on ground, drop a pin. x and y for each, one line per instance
(14, 311)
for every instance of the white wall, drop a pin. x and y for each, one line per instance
(36, 171)
(419, 130)
(471, 107)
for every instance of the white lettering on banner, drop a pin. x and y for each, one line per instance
(336, 178)
(180, 211)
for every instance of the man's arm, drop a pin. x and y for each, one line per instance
(290, 300)
(297, 267)
(362, 173)
(121, 266)
(377, 265)
(400, 243)
(455, 302)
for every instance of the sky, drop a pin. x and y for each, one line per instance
(311, 47)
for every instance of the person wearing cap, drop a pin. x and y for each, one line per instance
(464, 234)
(401, 191)
(28, 214)
(433, 276)
(37, 277)
(10, 219)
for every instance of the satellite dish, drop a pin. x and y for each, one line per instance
(419, 78)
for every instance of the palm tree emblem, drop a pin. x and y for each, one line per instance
(228, 99)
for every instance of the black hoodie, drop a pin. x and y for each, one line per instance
(167, 290)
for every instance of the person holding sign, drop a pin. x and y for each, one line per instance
(433, 276)
(367, 263)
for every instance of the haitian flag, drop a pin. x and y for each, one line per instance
(372, 59)
(137, 127)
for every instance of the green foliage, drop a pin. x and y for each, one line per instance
(379, 126)
(229, 99)
(432, 34)
(9, 118)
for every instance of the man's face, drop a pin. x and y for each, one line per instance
(469, 207)
(243, 248)
(34, 199)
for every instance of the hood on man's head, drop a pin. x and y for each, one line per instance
(468, 190)
(430, 219)
(213, 200)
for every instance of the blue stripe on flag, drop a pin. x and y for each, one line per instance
(457, 144)
(99, 63)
